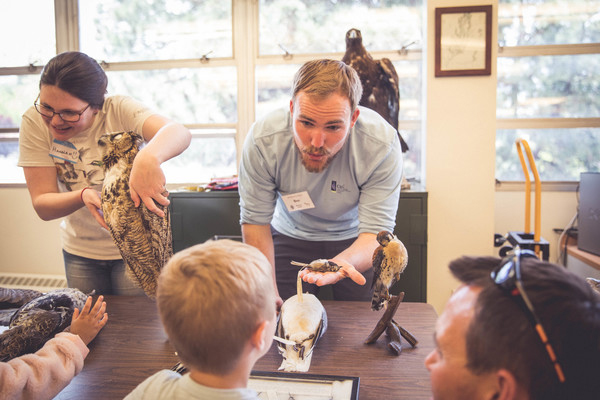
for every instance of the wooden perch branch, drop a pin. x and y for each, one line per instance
(395, 343)
(386, 318)
(393, 330)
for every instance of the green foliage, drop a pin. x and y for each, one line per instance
(560, 154)
(549, 86)
(315, 26)
(119, 30)
(542, 22)
(207, 95)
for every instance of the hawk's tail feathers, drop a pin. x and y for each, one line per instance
(380, 295)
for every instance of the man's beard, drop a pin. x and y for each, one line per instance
(311, 166)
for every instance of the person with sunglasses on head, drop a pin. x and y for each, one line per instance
(61, 160)
(517, 328)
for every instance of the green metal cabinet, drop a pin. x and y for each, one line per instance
(199, 216)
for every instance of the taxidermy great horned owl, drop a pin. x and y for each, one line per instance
(143, 238)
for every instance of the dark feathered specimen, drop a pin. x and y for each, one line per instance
(389, 261)
(379, 80)
(594, 283)
(39, 317)
(142, 237)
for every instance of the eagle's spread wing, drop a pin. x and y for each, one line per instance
(12, 299)
(38, 320)
(40, 326)
(387, 93)
(379, 81)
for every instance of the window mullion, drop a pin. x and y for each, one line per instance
(66, 15)
(245, 50)
(547, 123)
(549, 50)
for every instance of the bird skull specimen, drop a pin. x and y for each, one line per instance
(302, 321)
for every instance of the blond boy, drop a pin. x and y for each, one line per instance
(216, 301)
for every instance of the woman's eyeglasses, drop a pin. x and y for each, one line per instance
(67, 115)
(508, 277)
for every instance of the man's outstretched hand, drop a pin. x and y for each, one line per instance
(329, 278)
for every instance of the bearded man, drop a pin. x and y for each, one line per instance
(319, 181)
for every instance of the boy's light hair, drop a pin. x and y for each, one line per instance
(321, 78)
(211, 298)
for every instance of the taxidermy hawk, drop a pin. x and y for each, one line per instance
(389, 261)
(142, 237)
(379, 81)
(33, 318)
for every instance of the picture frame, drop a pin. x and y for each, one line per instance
(463, 38)
(299, 386)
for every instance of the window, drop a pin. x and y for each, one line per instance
(203, 64)
(161, 30)
(548, 84)
(32, 42)
(32, 39)
(317, 29)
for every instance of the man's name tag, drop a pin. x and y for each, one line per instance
(64, 151)
(298, 201)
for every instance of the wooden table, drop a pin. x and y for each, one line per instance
(133, 346)
(588, 258)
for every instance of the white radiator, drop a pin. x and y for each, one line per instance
(42, 283)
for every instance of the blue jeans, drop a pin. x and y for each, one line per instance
(104, 276)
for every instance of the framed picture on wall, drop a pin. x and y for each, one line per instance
(463, 38)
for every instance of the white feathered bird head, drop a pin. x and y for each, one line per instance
(302, 321)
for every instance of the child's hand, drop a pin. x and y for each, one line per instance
(90, 320)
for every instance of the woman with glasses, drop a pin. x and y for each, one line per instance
(61, 160)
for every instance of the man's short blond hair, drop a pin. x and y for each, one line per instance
(321, 78)
(211, 298)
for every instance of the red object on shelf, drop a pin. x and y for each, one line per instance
(230, 183)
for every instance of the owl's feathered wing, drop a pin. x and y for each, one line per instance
(142, 237)
(37, 320)
(389, 262)
(379, 81)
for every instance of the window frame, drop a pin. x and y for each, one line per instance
(245, 58)
(545, 123)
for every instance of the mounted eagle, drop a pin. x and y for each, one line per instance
(379, 80)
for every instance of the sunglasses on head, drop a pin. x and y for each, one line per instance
(507, 276)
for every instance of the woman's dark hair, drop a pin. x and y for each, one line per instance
(77, 74)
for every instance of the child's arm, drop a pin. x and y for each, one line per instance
(45, 373)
